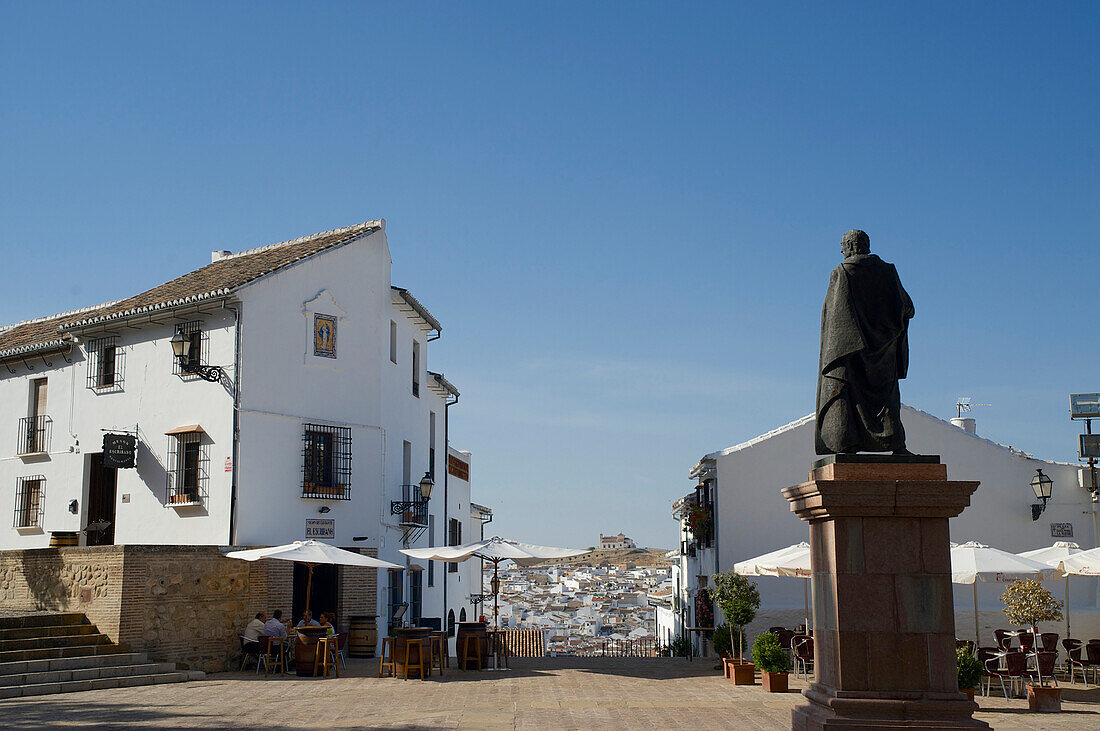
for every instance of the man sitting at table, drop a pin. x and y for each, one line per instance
(274, 627)
(253, 631)
(308, 620)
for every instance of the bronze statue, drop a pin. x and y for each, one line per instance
(864, 352)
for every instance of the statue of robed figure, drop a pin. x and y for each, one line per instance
(864, 352)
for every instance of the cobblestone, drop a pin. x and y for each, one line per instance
(548, 693)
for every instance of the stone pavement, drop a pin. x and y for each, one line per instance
(550, 693)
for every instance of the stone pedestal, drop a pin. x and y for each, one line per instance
(884, 622)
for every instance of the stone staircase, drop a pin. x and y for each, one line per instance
(61, 653)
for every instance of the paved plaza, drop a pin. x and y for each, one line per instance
(551, 693)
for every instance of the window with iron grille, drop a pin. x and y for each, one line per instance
(326, 462)
(34, 434)
(105, 364)
(30, 493)
(416, 596)
(188, 469)
(200, 344)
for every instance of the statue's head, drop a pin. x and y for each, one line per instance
(855, 242)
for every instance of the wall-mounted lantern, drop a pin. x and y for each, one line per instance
(181, 348)
(1042, 486)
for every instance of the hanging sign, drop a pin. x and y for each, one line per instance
(120, 451)
(320, 528)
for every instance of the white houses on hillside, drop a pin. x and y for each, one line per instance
(740, 513)
(303, 407)
(619, 541)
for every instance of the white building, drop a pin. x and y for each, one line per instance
(740, 488)
(619, 541)
(323, 415)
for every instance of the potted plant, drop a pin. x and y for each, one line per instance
(769, 656)
(1027, 602)
(723, 647)
(699, 520)
(969, 671)
(739, 600)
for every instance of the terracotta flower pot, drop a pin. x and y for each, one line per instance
(744, 674)
(774, 682)
(1044, 699)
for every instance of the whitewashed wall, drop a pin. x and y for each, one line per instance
(150, 398)
(754, 517)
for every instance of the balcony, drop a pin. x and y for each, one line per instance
(413, 507)
(34, 436)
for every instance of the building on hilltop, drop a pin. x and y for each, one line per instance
(736, 511)
(612, 542)
(304, 407)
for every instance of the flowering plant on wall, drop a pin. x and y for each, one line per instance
(699, 520)
(1027, 602)
(704, 609)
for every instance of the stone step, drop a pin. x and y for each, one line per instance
(109, 671)
(48, 653)
(43, 620)
(57, 630)
(34, 643)
(72, 663)
(17, 691)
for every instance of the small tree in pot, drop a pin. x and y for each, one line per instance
(739, 600)
(774, 664)
(1027, 602)
(969, 670)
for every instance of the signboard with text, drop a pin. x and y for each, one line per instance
(1061, 530)
(320, 528)
(119, 451)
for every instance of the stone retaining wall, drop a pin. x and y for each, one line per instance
(182, 604)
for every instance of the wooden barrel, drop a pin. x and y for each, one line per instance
(363, 635)
(404, 636)
(466, 629)
(60, 539)
(305, 649)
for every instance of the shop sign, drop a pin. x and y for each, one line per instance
(119, 451)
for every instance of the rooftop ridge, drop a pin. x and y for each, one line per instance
(377, 223)
(47, 318)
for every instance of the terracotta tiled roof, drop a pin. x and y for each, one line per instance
(213, 280)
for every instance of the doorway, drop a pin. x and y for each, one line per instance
(101, 503)
(322, 595)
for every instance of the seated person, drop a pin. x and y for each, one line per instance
(274, 627)
(308, 620)
(327, 619)
(253, 631)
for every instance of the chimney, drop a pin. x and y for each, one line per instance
(965, 423)
(217, 255)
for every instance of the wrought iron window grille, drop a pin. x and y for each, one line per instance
(106, 361)
(30, 494)
(326, 462)
(34, 434)
(188, 469)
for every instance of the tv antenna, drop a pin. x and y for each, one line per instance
(965, 404)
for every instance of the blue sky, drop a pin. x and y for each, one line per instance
(630, 210)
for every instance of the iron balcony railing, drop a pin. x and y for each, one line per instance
(34, 434)
(414, 508)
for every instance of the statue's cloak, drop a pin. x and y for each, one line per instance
(864, 352)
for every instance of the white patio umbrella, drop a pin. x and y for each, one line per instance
(1085, 563)
(495, 549)
(1054, 556)
(312, 553)
(973, 562)
(790, 561)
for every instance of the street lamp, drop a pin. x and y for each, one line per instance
(1041, 485)
(426, 485)
(181, 348)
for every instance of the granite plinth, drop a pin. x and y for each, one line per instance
(884, 624)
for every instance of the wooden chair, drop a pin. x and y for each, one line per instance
(467, 656)
(439, 651)
(273, 654)
(325, 656)
(387, 652)
(422, 648)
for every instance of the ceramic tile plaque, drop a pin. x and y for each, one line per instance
(324, 336)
